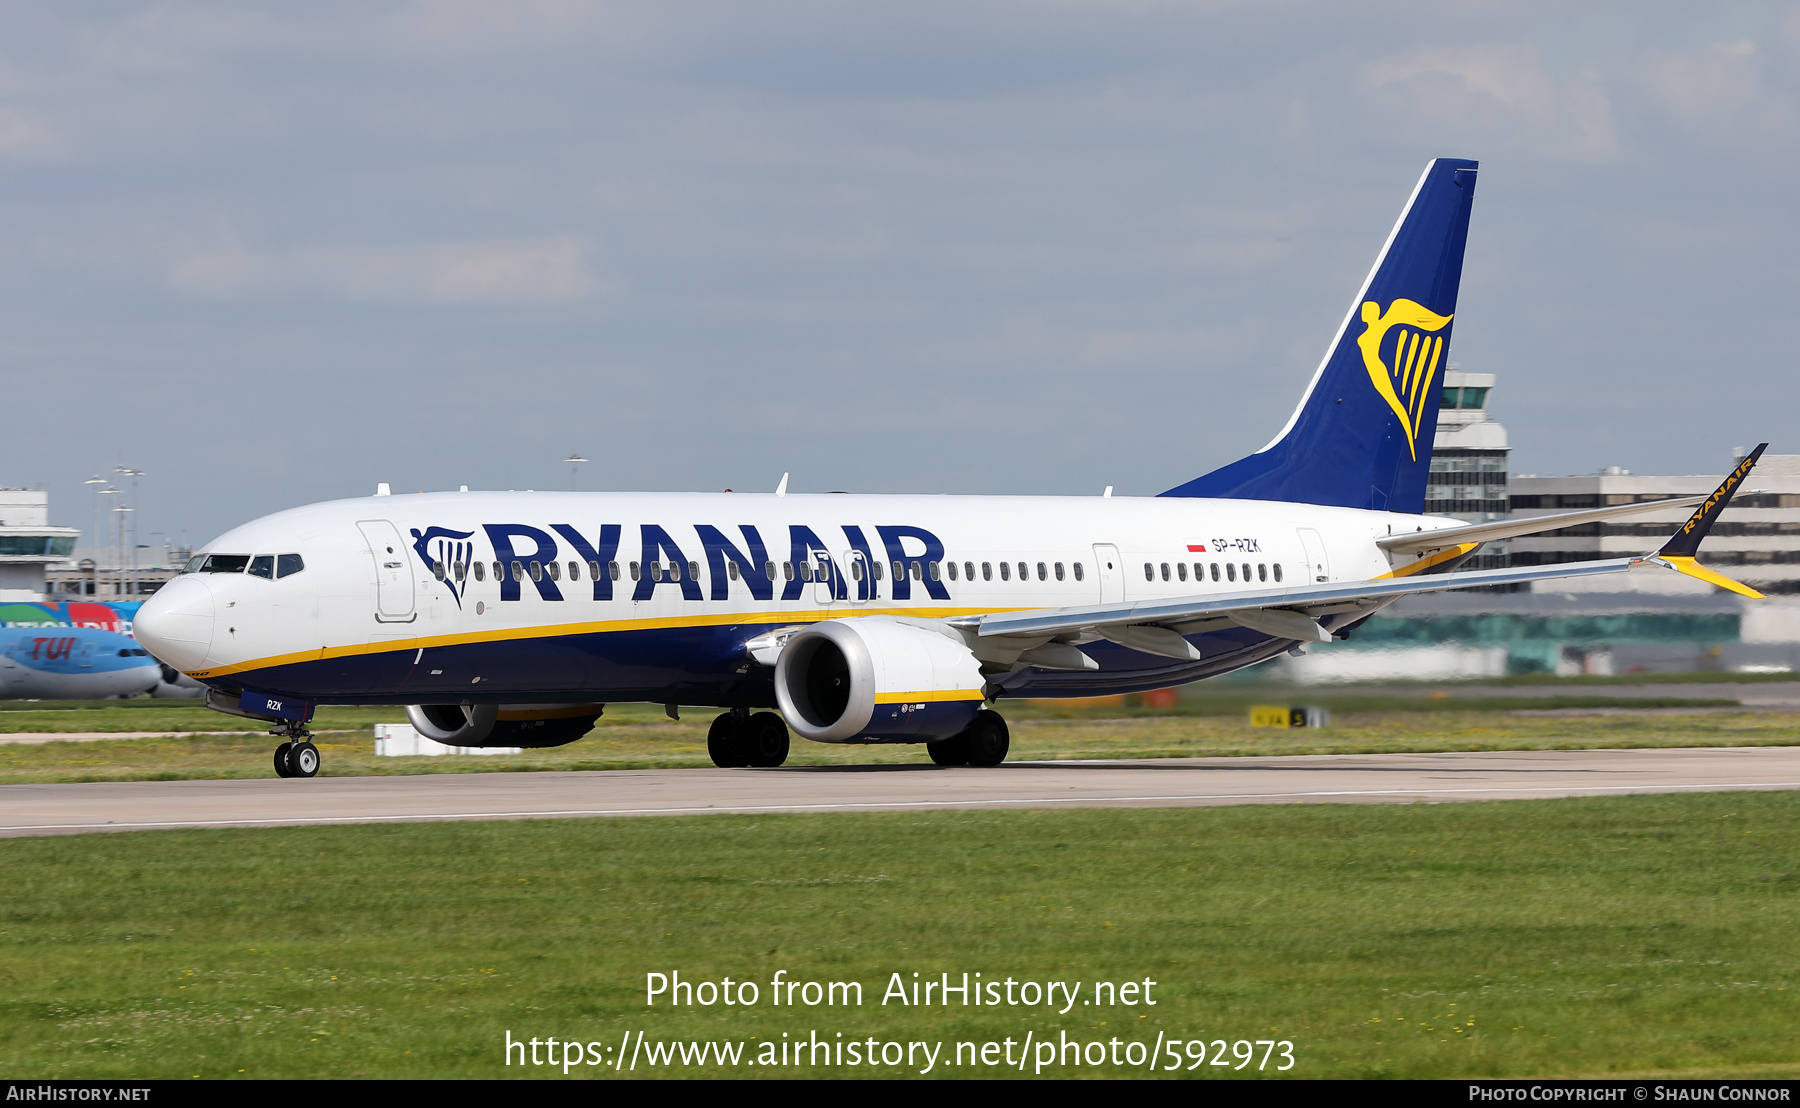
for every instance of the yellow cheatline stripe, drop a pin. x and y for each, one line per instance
(1692, 568)
(1423, 564)
(551, 631)
(927, 697)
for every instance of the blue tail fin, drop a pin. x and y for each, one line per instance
(1361, 437)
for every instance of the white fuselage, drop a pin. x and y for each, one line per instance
(399, 600)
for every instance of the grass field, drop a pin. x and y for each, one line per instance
(1586, 937)
(641, 739)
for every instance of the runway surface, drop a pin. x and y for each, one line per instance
(1349, 778)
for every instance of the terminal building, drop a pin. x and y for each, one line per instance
(1644, 621)
(28, 544)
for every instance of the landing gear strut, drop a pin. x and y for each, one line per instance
(738, 738)
(296, 756)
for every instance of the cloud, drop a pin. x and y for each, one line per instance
(544, 271)
(1505, 89)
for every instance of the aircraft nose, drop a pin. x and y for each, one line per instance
(176, 624)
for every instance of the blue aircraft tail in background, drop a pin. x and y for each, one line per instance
(1361, 437)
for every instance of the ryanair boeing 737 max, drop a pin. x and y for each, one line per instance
(511, 619)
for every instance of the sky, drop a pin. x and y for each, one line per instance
(275, 254)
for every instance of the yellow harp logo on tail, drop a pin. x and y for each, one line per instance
(1406, 386)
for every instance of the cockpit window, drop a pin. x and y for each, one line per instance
(263, 566)
(225, 563)
(286, 565)
(194, 564)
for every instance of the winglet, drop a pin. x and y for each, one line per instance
(1679, 552)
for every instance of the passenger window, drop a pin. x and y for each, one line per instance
(1278, 572)
(1149, 572)
(1059, 571)
(916, 575)
(537, 570)
(805, 571)
(1042, 574)
(574, 571)
(1006, 571)
(875, 568)
(1230, 572)
(987, 571)
(612, 570)
(674, 570)
(480, 571)
(263, 566)
(1079, 571)
(969, 570)
(1022, 573)
(934, 571)
(856, 569)
(1246, 571)
(1199, 571)
(731, 570)
(769, 570)
(461, 569)
(787, 571)
(437, 569)
(1215, 571)
(693, 571)
(1181, 570)
(1165, 571)
(555, 571)
(899, 572)
(952, 568)
(635, 571)
(594, 570)
(1262, 571)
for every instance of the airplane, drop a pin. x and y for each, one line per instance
(73, 663)
(512, 619)
(105, 616)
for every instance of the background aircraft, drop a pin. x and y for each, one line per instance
(73, 663)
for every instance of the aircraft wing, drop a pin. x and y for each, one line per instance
(1530, 525)
(1157, 626)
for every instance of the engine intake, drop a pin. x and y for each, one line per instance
(872, 679)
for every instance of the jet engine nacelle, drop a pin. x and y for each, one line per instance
(871, 679)
(524, 725)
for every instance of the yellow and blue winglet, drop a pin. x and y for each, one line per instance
(1679, 552)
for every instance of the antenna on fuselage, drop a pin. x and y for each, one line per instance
(781, 489)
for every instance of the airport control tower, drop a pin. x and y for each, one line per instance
(1469, 461)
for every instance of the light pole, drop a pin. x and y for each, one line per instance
(572, 461)
(126, 471)
(118, 556)
(120, 510)
(94, 532)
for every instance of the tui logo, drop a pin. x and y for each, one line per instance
(1406, 380)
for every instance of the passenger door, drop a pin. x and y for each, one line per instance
(1111, 573)
(393, 576)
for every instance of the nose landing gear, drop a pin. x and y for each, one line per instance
(296, 756)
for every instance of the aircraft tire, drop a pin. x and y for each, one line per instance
(987, 739)
(303, 760)
(766, 740)
(281, 760)
(949, 752)
(724, 742)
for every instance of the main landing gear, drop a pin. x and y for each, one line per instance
(738, 738)
(983, 743)
(296, 756)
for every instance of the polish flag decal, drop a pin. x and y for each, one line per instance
(1196, 548)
